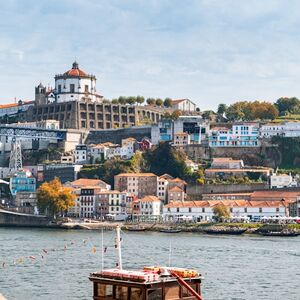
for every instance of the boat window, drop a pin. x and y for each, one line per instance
(172, 292)
(121, 292)
(136, 294)
(155, 294)
(105, 291)
(186, 293)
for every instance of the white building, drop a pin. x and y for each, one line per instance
(286, 129)
(117, 205)
(203, 210)
(75, 85)
(278, 181)
(181, 139)
(184, 105)
(243, 134)
(162, 186)
(150, 206)
(166, 129)
(81, 156)
(98, 152)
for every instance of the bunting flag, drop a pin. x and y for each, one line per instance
(44, 252)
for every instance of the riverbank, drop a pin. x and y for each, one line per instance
(200, 228)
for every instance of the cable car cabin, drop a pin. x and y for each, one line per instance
(146, 284)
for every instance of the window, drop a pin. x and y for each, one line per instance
(277, 209)
(190, 209)
(203, 209)
(245, 209)
(260, 210)
(86, 88)
(72, 88)
(59, 88)
(177, 209)
(105, 291)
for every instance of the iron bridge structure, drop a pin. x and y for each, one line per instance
(32, 133)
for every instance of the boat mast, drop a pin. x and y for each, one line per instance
(118, 246)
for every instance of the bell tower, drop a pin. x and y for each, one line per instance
(40, 95)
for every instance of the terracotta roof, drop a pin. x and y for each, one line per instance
(228, 203)
(75, 71)
(275, 195)
(87, 182)
(225, 159)
(15, 104)
(129, 139)
(175, 189)
(135, 175)
(166, 176)
(181, 134)
(150, 199)
(177, 180)
(237, 170)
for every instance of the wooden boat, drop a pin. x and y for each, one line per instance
(150, 283)
(279, 233)
(136, 228)
(170, 230)
(216, 230)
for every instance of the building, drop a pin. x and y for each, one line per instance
(294, 208)
(117, 205)
(67, 159)
(76, 104)
(285, 129)
(184, 105)
(162, 187)
(226, 163)
(238, 135)
(27, 200)
(98, 152)
(75, 211)
(166, 129)
(278, 181)
(203, 210)
(150, 206)
(14, 109)
(65, 172)
(139, 184)
(176, 194)
(88, 198)
(22, 181)
(181, 139)
(251, 172)
(81, 154)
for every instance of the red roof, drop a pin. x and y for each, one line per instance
(75, 71)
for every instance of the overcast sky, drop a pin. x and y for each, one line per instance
(211, 51)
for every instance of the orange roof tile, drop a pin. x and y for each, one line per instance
(150, 199)
(176, 189)
(87, 182)
(228, 203)
(135, 175)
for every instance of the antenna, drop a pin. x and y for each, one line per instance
(118, 246)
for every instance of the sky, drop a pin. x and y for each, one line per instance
(209, 51)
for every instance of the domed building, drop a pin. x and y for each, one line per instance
(74, 102)
(74, 85)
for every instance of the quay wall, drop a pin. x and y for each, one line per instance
(9, 218)
(194, 192)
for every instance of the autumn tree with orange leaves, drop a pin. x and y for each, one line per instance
(54, 199)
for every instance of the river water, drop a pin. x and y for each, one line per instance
(234, 267)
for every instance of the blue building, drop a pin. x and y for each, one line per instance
(22, 181)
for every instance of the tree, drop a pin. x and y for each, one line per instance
(221, 212)
(176, 114)
(159, 102)
(122, 100)
(131, 100)
(222, 108)
(54, 198)
(168, 102)
(114, 101)
(150, 101)
(200, 176)
(140, 99)
(288, 105)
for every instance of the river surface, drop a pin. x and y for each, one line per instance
(234, 267)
